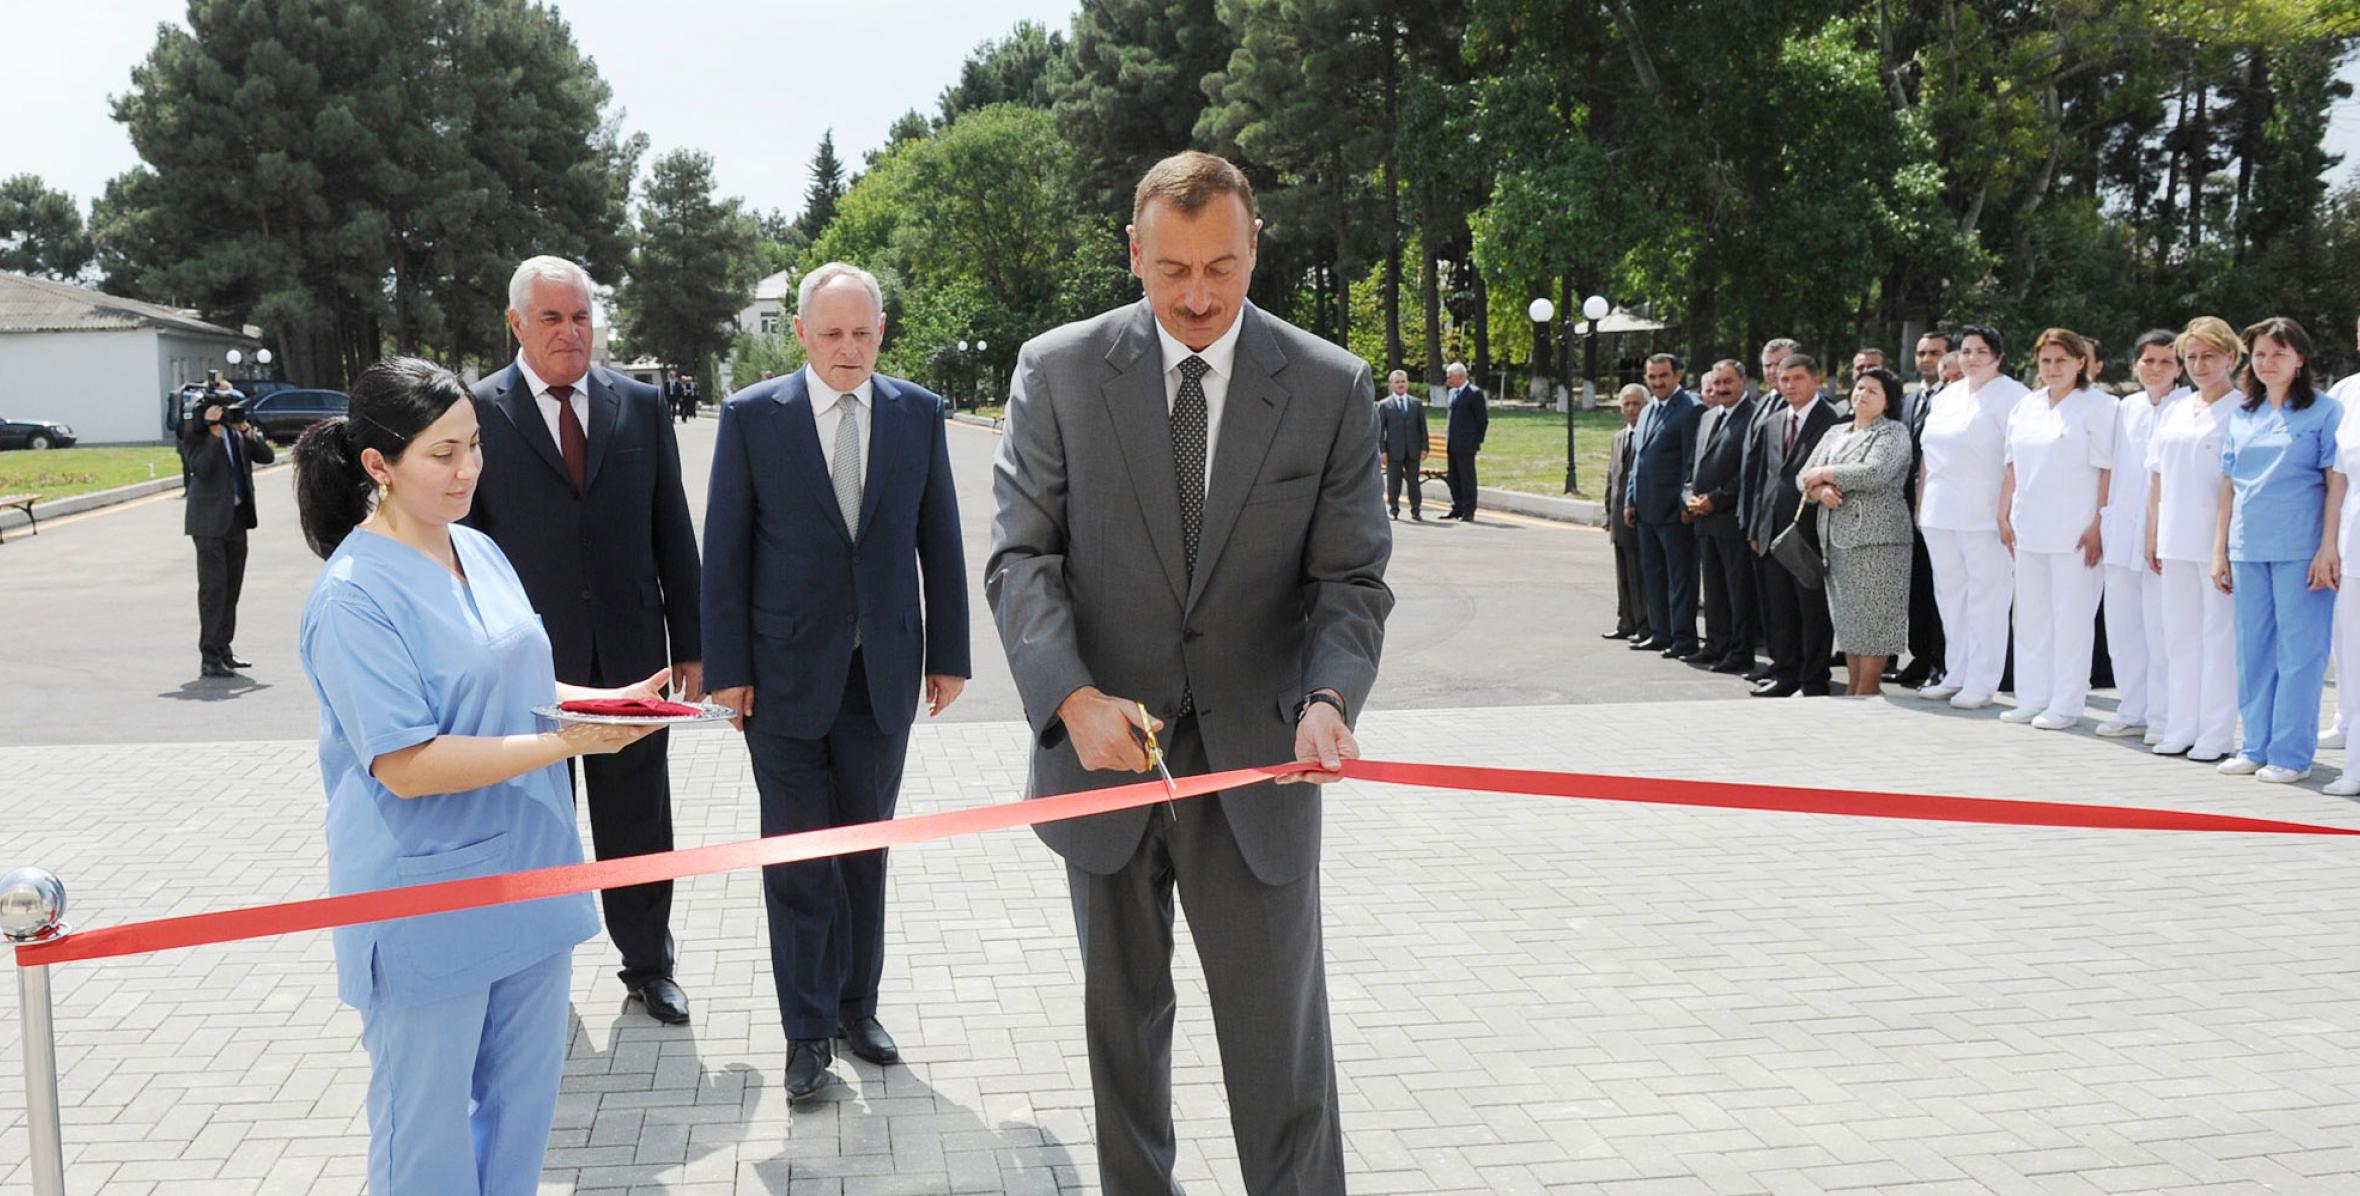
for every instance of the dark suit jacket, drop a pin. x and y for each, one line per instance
(210, 507)
(1618, 472)
(1401, 427)
(1720, 464)
(1470, 418)
(1915, 406)
(1771, 496)
(785, 582)
(1663, 455)
(612, 570)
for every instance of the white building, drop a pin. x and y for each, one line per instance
(773, 305)
(105, 365)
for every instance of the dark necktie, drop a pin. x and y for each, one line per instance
(1794, 428)
(237, 465)
(570, 441)
(1188, 453)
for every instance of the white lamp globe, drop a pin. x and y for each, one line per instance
(262, 355)
(1595, 307)
(1541, 310)
(980, 346)
(234, 356)
(962, 346)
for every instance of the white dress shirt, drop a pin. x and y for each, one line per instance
(2059, 450)
(1966, 445)
(828, 408)
(548, 402)
(2185, 456)
(2126, 493)
(1221, 355)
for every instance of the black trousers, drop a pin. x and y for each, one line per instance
(1925, 619)
(1800, 633)
(827, 917)
(1399, 473)
(630, 795)
(1731, 618)
(1667, 561)
(1265, 974)
(221, 577)
(1461, 478)
(1630, 589)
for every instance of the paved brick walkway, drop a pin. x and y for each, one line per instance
(1530, 995)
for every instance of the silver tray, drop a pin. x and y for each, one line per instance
(707, 712)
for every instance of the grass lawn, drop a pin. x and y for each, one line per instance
(1525, 449)
(58, 473)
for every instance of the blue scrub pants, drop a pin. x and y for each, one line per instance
(462, 1091)
(2283, 630)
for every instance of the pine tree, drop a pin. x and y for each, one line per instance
(1133, 90)
(41, 230)
(692, 269)
(827, 186)
(1020, 68)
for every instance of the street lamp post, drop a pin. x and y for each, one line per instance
(1594, 309)
(1542, 310)
(981, 347)
(958, 377)
(261, 357)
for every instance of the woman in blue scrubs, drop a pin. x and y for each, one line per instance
(2274, 552)
(428, 660)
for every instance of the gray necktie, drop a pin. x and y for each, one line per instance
(1188, 453)
(846, 470)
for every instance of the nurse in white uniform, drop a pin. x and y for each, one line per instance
(1965, 446)
(2134, 593)
(2183, 509)
(2060, 456)
(2346, 392)
(427, 659)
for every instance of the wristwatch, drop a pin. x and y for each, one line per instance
(1322, 698)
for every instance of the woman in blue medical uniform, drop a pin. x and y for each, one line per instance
(428, 660)
(2274, 550)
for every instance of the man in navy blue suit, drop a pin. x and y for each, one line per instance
(1663, 457)
(831, 511)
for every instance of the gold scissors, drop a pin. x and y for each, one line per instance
(1155, 753)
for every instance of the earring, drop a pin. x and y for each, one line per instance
(383, 488)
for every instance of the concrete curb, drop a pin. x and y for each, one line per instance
(1536, 506)
(13, 519)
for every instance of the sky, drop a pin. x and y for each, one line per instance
(753, 82)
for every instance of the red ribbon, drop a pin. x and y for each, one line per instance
(164, 934)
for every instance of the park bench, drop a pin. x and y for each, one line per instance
(1437, 462)
(22, 502)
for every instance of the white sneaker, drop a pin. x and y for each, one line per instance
(2207, 757)
(2153, 737)
(2272, 774)
(2332, 739)
(2019, 714)
(2238, 766)
(2053, 722)
(1938, 692)
(2347, 785)
(2170, 749)
(2115, 728)
(1969, 701)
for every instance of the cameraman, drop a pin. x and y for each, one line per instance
(219, 451)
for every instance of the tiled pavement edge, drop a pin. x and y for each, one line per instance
(1530, 995)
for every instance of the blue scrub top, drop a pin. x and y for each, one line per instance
(400, 651)
(2275, 460)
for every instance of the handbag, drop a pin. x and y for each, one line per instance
(1797, 547)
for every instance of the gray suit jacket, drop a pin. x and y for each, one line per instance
(1618, 472)
(1401, 427)
(1089, 583)
(1871, 468)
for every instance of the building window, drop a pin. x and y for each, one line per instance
(769, 322)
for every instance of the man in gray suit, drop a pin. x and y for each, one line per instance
(1401, 438)
(1186, 519)
(1630, 592)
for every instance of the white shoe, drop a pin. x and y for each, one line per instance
(2347, 785)
(2115, 728)
(2053, 722)
(2019, 714)
(2272, 774)
(2207, 757)
(2238, 766)
(1969, 701)
(2332, 739)
(1938, 692)
(2152, 738)
(2170, 749)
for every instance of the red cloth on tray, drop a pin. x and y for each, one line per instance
(636, 707)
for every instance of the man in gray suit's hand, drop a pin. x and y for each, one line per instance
(1188, 538)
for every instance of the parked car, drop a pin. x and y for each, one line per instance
(283, 415)
(34, 434)
(255, 388)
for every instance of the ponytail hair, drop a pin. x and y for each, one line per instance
(393, 402)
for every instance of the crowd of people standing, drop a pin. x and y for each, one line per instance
(1989, 529)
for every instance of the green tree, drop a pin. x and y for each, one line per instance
(41, 230)
(693, 268)
(1134, 90)
(1020, 68)
(827, 186)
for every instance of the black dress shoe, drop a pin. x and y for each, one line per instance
(1619, 633)
(1650, 644)
(1774, 688)
(868, 1040)
(1760, 673)
(1815, 689)
(664, 1000)
(1734, 665)
(807, 1066)
(1415, 517)
(1916, 676)
(214, 668)
(236, 661)
(1397, 514)
(1680, 652)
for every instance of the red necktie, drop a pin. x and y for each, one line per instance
(570, 440)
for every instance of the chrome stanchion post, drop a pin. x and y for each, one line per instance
(32, 910)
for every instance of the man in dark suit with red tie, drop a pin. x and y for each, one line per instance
(581, 489)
